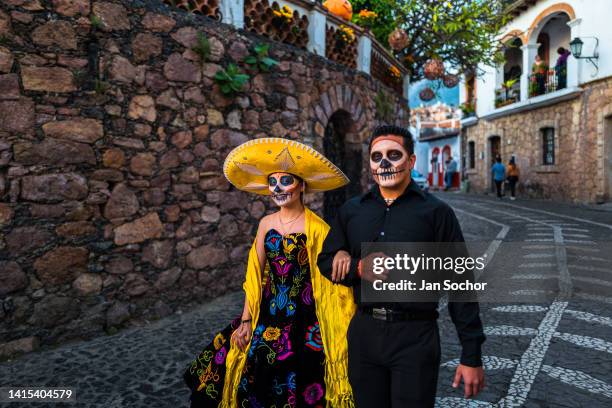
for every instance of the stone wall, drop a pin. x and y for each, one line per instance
(578, 174)
(113, 206)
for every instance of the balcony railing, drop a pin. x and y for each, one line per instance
(507, 96)
(305, 24)
(550, 81)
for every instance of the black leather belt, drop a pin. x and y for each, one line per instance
(391, 315)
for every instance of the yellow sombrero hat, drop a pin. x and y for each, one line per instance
(248, 166)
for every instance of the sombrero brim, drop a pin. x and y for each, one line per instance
(248, 166)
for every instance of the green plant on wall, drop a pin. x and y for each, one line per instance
(384, 106)
(260, 58)
(96, 22)
(202, 47)
(231, 79)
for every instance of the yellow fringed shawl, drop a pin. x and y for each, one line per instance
(334, 307)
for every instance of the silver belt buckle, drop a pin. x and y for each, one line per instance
(379, 313)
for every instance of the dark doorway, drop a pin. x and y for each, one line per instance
(494, 152)
(346, 156)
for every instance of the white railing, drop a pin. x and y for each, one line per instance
(369, 55)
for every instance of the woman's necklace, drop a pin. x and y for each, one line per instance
(289, 223)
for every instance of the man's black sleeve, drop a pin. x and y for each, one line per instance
(465, 315)
(335, 241)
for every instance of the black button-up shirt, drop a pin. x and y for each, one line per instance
(415, 216)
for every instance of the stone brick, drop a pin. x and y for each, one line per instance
(78, 130)
(214, 117)
(6, 214)
(122, 203)
(206, 256)
(19, 346)
(5, 24)
(122, 70)
(47, 79)
(114, 158)
(142, 107)
(55, 33)
(17, 116)
(158, 253)
(12, 278)
(186, 36)
(139, 230)
(158, 22)
(182, 139)
(168, 99)
(227, 138)
(72, 8)
(6, 60)
(170, 160)
(88, 284)
(25, 239)
(119, 265)
(75, 229)
(143, 164)
(167, 278)
(9, 86)
(179, 69)
(113, 16)
(146, 45)
(54, 310)
(210, 214)
(53, 187)
(61, 265)
(54, 151)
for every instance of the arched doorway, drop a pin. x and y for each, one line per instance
(434, 174)
(347, 156)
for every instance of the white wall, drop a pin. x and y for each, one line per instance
(594, 17)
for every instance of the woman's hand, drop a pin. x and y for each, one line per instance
(242, 335)
(340, 266)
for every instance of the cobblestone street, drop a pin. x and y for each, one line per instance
(537, 355)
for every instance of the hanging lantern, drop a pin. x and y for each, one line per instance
(340, 8)
(427, 94)
(450, 80)
(398, 39)
(433, 69)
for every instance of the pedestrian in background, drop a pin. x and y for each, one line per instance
(499, 175)
(513, 177)
(451, 169)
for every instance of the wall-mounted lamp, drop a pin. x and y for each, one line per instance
(576, 49)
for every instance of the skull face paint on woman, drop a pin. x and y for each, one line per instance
(390, 163)
(285, 188)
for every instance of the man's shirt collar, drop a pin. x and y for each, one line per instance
(412, 188)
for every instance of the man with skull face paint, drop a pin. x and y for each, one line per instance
(394, 355)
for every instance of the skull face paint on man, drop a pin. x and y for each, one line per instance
(390, 163)
(285, 188)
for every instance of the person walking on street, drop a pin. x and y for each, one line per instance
(513, 176)
(451, 169)
(499, 175)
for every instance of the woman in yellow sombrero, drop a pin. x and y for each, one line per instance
(288, 348)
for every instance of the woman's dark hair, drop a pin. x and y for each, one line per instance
(498, 159)
(396, 131)
(561, 50)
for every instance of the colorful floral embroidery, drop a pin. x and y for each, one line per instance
(218, 341)
(313, 393)
(271, 333)
(313, 338)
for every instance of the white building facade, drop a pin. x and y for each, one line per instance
(552, 113)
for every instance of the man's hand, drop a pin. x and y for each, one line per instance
(366, 270)
(340, 265)
(473, 380)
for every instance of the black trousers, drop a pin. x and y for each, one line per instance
(393, 364)
(512, 180)
(498, 187)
